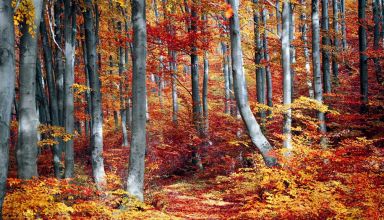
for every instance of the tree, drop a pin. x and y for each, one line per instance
(135, 182)
(363, 55)
(7, 88)
(287, 87)
(326, 43)
(27, 150)
(240, 90)
(318, 88)
(96, 111)
(69, 80)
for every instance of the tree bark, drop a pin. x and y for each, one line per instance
(53, 106)
(135, 182)
(318, 88)
(96, 111)
(268, 75)
(227, 103)
(304, 38)
(325, 50)
(27, 148)
(363, 56)
(7, 89)
(343, 24)
(335, 65)
(287, 86)
(376, 39)
(240, 90)
(69, 80)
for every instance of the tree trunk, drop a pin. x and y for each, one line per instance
(335, 65)
(240, 90)
(7, 89)
(292, 50)
(376, 39)
(53, 107)
(363, 56)
(343, 24)
(197, 109)
(318, 88)
(205, 93)
(175, 104)
(226, 73)
(278, 18)
(135, 182)
(260, 76)
(96, 111)
(287, 96)
(268, 74)
(27, 148)
(123, 113)
(326, 43)
(304, 38)
(69, 80)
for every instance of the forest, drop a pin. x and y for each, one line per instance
(191, 109)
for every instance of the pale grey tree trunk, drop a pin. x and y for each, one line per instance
(135, 181)
(205, 94)
(53, 107)
(196, 102)
(335, 65)
(326, 43)
(240, 89)
(59, 64)
(343, 24)
(292, 50)
(268, 75)
(278, 18)
(260, 76)
(304, 38)
(121, 90)
(27, 148)
(363, 56)
(175, 103)
(95, 84)
(226, 73)
(318, 88)
(287, 86)
(69, 80)
(7, 89)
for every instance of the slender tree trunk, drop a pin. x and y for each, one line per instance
(69, 80)
(304, 38)
(335, 65)
(27, 149)
(205, 93)
(53, 106)
(121, 91)
(343, 24)
(96, 112)
(59, 64)
(325, 50)
(41, 99)
(268, 74)
(278, 18)
(376, 39)
(292, 49)
(135, 182)
(175, 104)
(240, 90)
(318, 88)
(7, 89)
(197, 109)
(286, 61)
(363, 56)
(260, 76)
(226, 79)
